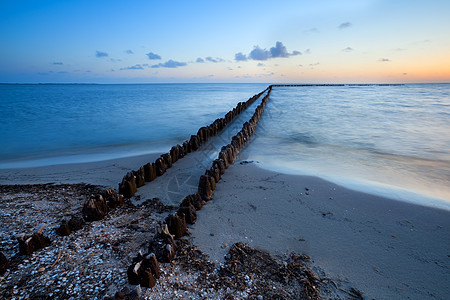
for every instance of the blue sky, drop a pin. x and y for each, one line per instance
(226, 41)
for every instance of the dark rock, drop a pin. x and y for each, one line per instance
(76, 223)
(64, 228)
(189, 213)
(133, 273)
(204, 188)
(126, 294)
(193, 199)
(95, 209)
(4, 263)
(31, 243)
(163, 245)
(113, 200)
(128, 186)
(176, 224)
(160, 166)
(149, 172)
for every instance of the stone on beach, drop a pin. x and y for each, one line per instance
(126, 294)
(4, 263)
(76, 223)
(64, 228)
(31, 243)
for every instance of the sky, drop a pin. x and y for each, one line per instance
(315, 41)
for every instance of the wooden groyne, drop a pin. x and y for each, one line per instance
(162, 248)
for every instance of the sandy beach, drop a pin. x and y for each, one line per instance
(384, 248)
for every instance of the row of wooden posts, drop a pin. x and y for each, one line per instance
(145, 270)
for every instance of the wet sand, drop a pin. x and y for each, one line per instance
(385, 248)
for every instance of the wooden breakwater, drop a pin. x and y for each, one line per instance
(162, 248)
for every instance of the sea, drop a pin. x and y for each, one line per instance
(389, 140)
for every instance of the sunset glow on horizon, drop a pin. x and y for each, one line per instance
(349, 41)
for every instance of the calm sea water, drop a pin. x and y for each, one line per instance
(391, 140)
(50, 124)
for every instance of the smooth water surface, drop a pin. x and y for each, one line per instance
(50, 124)
(393, 140)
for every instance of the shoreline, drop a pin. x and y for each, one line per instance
(109, 173)
(383, 247)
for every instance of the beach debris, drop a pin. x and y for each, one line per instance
(4, 263)
(355, 293)
(31, 243)
(176, 224)
(95, 208)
